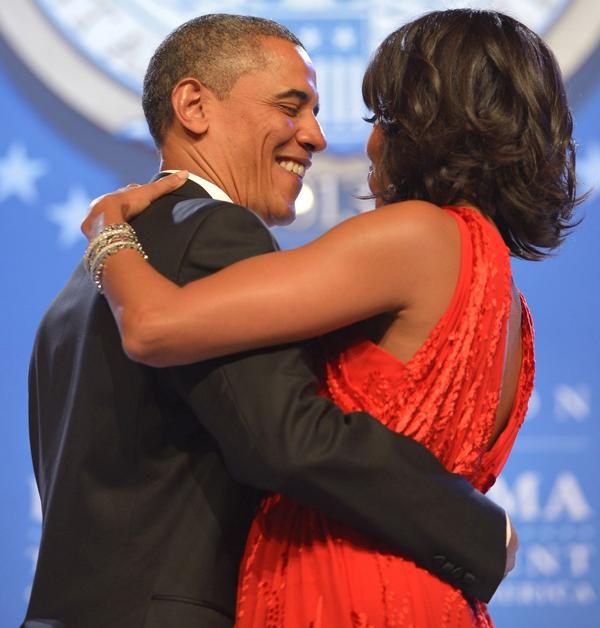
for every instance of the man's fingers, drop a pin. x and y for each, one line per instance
(511, 550)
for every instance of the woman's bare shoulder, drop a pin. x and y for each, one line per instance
(420, 215)
(409, 223)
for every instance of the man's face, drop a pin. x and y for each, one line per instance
(265, 132)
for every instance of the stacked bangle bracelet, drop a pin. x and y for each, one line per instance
(110, 240)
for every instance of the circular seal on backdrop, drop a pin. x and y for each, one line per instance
(92, 54)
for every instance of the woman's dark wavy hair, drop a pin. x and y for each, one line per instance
(473, 109)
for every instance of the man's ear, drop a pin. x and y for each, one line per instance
(190, 100)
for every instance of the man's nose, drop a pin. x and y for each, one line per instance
(311, 135)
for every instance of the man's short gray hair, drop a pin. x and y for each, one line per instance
(216, 49)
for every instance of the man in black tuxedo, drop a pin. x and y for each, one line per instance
(149, 478)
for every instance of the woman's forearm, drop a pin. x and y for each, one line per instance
(138, 297)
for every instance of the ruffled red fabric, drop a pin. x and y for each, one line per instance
(301, 569)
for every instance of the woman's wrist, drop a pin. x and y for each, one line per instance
(110, 240)
(93, 226)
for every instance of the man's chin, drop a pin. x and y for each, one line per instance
(287, 217)
(276, 214)
(282, 213)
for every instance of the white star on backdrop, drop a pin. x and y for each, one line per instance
(588, 170)
(344, 37)
(69, 215)
(19, 173)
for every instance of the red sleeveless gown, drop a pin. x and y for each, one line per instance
(303, 570)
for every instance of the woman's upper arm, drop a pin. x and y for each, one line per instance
(362, 267)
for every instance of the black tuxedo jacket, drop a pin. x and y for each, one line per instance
(149, 478)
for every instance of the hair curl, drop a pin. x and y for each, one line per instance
(217, 49)
(473, 109)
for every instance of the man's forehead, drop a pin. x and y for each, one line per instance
(292, 70)
(287, 52)
(304, 56)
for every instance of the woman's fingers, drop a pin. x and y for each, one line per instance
(128, 202)
(134, 198)
(139, 197)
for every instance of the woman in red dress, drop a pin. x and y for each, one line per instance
(472, 161)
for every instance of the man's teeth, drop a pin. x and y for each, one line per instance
(292, 166)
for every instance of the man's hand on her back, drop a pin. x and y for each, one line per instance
(511, 549)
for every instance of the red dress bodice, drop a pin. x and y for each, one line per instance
(302, 569)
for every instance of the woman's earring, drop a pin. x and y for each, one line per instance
(390, 191)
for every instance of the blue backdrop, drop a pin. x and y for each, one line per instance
(54, 159)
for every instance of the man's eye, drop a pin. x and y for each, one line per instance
(290, 110)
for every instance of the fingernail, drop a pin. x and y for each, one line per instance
(182, 174)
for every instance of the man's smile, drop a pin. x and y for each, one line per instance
(294, 166)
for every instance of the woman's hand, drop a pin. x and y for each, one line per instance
(127, 202)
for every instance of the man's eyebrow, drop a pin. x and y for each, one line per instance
(302, 96)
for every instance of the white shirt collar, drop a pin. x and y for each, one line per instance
(214, 191)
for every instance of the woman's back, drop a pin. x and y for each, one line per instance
(402, 333)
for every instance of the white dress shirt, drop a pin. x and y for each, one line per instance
(214, 191)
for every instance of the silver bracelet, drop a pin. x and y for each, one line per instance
(110, 240)
(108, 234)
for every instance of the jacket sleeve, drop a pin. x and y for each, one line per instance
(275, 433)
